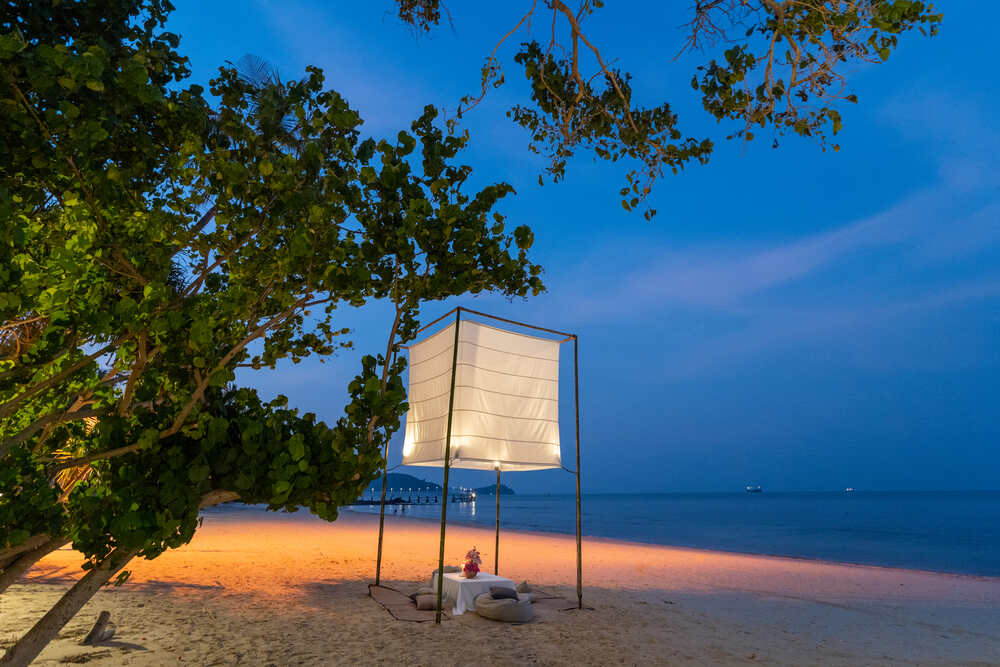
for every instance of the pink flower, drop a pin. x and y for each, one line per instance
(472, 556)
(472, 562)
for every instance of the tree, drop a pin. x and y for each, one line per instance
(783, 69)
(154, 243)
(148, 501)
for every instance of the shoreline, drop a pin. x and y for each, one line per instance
(412, 530)
(292, 589)
(683, 547)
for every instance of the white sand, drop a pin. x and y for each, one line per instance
(284, 590)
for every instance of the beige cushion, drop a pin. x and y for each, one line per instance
(523, 587)
(530, 597)
(427, 601)
(447, 569)
(423, 590)
(507, 610)
(502, 592)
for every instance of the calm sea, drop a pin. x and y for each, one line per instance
(943, 531)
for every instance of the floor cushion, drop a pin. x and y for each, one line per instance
(501, 592)
(427, 601)
(423, 590)
(507, 610)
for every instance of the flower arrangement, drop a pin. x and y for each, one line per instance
(472, 562)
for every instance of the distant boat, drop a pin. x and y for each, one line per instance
(849, 489)
(754, 488)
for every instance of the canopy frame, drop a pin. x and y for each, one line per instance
(457, 311)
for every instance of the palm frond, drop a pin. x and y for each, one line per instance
(257, 72)
(68, 479)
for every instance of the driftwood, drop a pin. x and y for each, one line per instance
(102, 631)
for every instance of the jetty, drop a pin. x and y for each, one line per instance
(395, 497)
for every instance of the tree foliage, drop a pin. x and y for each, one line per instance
(154, 243)
(783, 69)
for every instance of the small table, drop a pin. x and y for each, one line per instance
(464, 591)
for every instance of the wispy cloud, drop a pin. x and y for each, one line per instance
(767, 331)
(935, 249)
(725, 276)
(927, 224)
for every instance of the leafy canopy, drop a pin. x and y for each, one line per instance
(155, 242)
(783, 69)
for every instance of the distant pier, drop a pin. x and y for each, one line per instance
(394, 497)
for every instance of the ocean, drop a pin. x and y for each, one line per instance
(956, 532)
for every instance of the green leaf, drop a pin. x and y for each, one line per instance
(524, 237)
(296, 447)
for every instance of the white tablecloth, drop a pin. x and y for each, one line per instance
(464, 591)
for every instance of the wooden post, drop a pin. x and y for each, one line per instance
(579, 529)
(447, 468)
(385, 453)
(381, 518)
(496, 550)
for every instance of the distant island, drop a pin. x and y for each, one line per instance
(491, 490)
(399, 480)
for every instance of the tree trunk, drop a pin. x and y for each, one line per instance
(45, 630)
(217, 497)
(29, 544)
(16, 568)
(30, 645)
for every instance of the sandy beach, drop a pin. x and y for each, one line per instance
(255, 589)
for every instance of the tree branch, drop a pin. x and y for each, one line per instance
(58, 417)
(8, 407)
(491, 62)
(133, 377)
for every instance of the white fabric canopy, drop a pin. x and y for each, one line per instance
(506, 411)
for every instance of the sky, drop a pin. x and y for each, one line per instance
(799, 319)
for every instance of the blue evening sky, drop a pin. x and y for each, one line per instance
(794, 318)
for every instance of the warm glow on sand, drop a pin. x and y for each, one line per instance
(272, 554)
(287, 589)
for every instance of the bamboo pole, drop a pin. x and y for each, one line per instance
(428, 326)
(579, 529)
(447, 467)
(568, 336)
(520, 324)
(496, 550)
(385, 452)
(381, 518)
